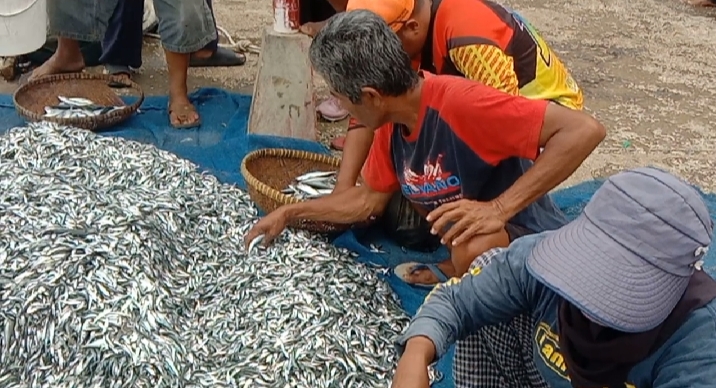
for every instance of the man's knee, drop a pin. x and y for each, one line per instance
(89, 25)
(185, 26)
(462, 255)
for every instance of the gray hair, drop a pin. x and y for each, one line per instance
(357, 49)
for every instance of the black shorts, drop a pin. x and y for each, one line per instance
(403, 224)
(314, 11)
(516, 231)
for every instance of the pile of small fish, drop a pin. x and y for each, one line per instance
(123, 266)
(73, 107)
(312, 185)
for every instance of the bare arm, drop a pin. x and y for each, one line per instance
(355, 152)
(347, 207)
(568, 137)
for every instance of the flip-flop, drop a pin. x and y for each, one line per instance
(338, 143)
(405, 269)
(194, 124)
(118, 70)
(222, 57)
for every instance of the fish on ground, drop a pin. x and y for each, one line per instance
(123, 266)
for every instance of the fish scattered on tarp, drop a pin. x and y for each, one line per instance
(74, 107)
(123, 266)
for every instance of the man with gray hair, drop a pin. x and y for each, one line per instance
(618, 298)
(451, 145)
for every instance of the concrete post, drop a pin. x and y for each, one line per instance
(283, 103)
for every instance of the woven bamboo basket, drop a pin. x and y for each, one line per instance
(268, 171)
(31, 98)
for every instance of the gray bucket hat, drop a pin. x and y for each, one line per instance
(627, 259)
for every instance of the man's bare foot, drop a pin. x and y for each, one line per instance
(66, 59)
(426, 276)
(703, 3)
(182, 113)
(202, 54)
(221, 57)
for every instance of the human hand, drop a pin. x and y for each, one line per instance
(412, 370)
(468, 219)
(311, 28)
(270, 227)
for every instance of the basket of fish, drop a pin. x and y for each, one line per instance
(80, 100)
(276, 177)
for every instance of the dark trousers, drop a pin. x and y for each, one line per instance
(122, 43)
(315, 11)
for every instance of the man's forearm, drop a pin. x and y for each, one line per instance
(562, 155)
(355, 152)
(347, 207)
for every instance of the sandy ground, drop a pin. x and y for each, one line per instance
(648, 69)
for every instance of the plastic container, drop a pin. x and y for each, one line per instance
(23, 26)
(286, 15)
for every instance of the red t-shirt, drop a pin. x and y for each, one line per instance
(467, 144)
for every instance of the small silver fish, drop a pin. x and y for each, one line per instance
(255, 242)
(74, 107)
(316, 174)
(312, 185)
(124, 266)
(75, 101)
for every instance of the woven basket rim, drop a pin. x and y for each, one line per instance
(271, 192)
(68, 77)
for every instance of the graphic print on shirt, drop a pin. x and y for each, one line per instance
(547, 346)
(542, 49)
(478, 23)
(438, 167)
(433, 181)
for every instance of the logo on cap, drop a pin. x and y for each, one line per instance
(700, 251)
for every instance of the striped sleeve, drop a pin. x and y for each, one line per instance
(488, 65)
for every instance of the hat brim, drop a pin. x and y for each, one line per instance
(605, 280)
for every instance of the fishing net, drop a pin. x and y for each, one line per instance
(122, 266)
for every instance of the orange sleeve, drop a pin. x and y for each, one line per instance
(378, 171)
(486, 64)
(494, 124)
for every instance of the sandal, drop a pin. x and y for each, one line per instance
(118, 70)
(403, 270)
(182, 110)
(338, 143)
(222, 57)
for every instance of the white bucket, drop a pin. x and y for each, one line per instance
(23, 26)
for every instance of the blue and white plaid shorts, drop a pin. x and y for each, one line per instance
(498, 356)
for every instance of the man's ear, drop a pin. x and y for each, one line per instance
(371, 97)
(411, 28)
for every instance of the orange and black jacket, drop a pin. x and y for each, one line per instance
(486, 42)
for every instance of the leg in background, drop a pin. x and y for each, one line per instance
(214, 56)
(185, 27)
(460, 258)
(312, 14)
(71, 26)
(703, 3)
(122, 43)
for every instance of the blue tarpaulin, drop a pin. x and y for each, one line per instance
(219, 145)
